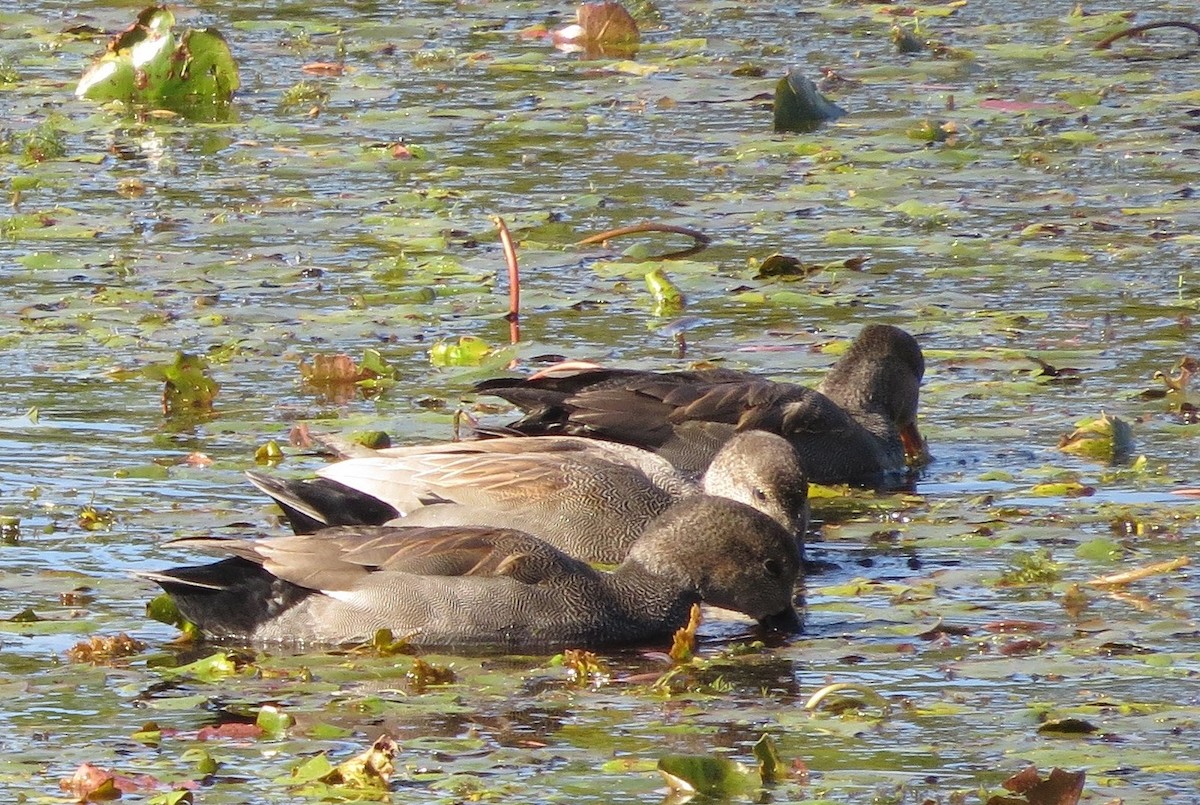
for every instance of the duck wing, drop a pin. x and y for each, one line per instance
(548, 398)
(342, 559)
(411, 482)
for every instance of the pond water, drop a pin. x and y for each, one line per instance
(1055, 218)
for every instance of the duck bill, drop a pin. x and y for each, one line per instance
(916, 453)
(787, 621)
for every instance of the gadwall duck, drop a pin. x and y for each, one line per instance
(589, 498)
(858, 426)
(488, 587)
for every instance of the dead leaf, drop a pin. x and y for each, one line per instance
(105, 649)
(1060, 788)
(91, 784)
(324, 68)
(197, 459)
(233, 730)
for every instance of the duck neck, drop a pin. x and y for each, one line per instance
(659, 602)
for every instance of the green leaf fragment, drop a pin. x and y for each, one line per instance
(706, 776)
(469, 351)
(1031, 568)
(162, 608)
(208, 669)
(310, 771)
(371, 439)
(269, 453)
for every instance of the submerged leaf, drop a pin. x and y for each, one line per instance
(93, 518)
(339, 377)
(1067, 726)
(231, 730)
(422, 674)
(784, 265)
(26, 615)
(906, 40)
(331, 370)
(1035, 567)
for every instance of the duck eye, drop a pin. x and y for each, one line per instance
(759, 495)
(773, 568)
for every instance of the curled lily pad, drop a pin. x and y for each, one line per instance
(770, 765)
(906, 40)
(600, 29)
(148, 64)
(1103, 438)
(186, 384)
(668, 299)
(1058, 788)
(370, 769)
(800, 107)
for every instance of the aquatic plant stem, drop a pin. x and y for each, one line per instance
(514, 281)
(1107, 42)
(701, 240)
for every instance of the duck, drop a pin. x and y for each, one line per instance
(485, 587)
(589, 498)
(857, 427)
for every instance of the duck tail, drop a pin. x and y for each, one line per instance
(320, 503)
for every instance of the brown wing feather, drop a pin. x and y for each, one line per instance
(339, 558)
(502, 475)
